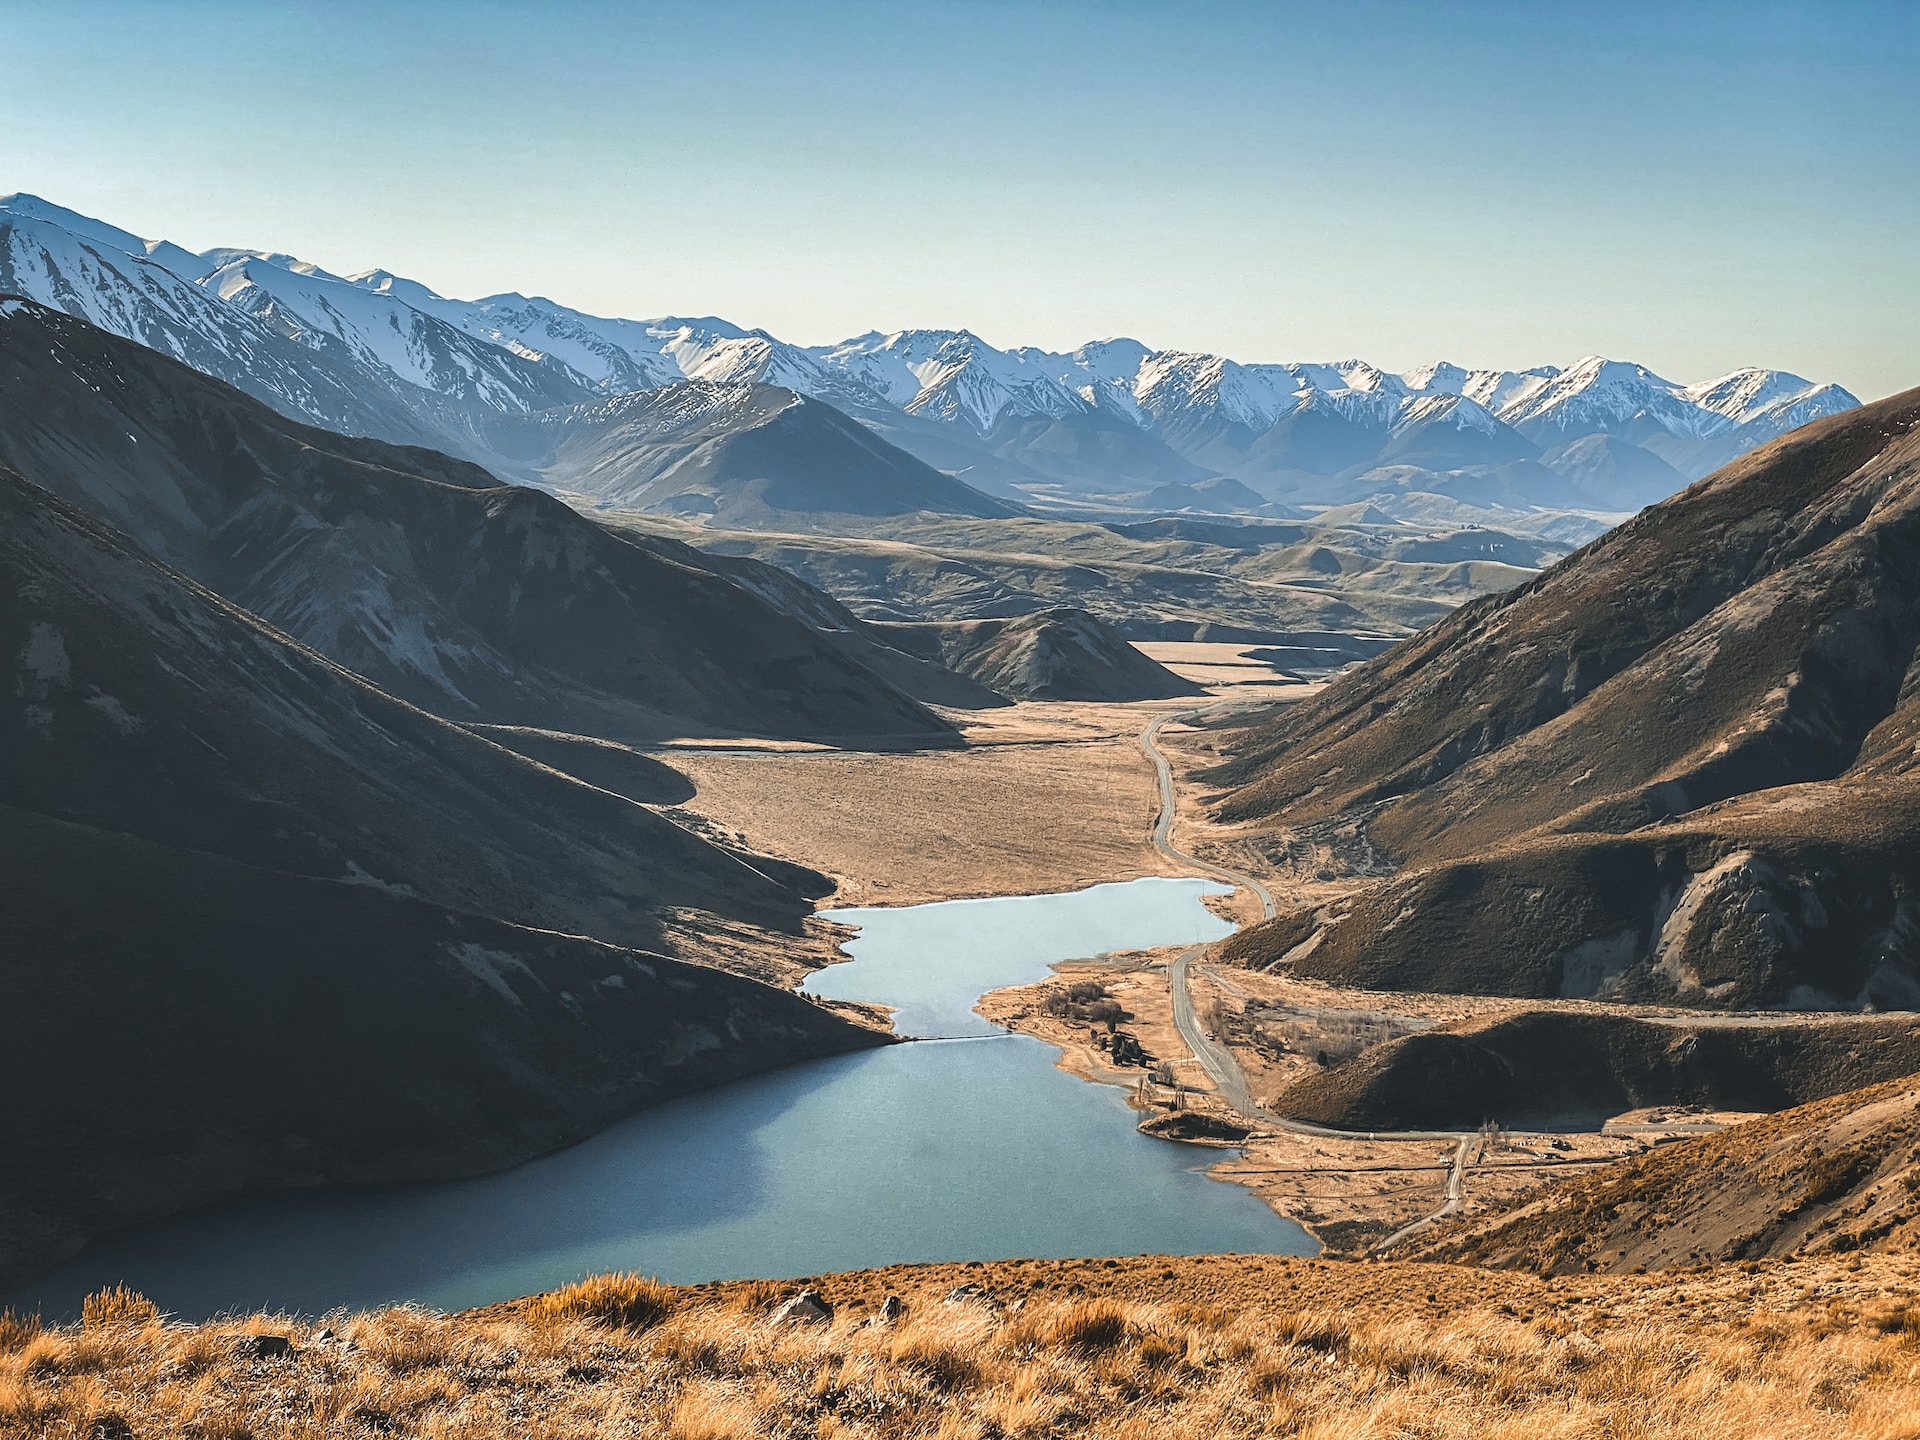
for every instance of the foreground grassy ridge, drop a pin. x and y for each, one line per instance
(1780, 1351)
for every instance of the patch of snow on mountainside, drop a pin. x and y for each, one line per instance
(1768, 398)
(1599, 395)
(1455, 410)
(667, 410)
(955, 376)
(381, 331)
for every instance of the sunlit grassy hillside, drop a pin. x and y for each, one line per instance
(1081, 1348)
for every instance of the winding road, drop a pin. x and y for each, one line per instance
(1216, 1059)
(1163, 827)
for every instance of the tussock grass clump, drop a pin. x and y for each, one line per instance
(945, 1365)
(619, 1301)
(17, 1330)
(708, 1410)
(118, 1308)
(1086, 1327)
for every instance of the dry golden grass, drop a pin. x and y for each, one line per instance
(1828, 1352)
(627, 1302)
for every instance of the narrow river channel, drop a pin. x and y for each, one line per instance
(970, 1148)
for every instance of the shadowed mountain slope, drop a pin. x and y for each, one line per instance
(1560, 1069)
(1059, 654)
(924, 677)
(269, 925)
(744, 454)
(1838, 1175)
(1679, 763)
(480, 601)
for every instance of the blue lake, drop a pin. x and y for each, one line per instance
(971, 1148)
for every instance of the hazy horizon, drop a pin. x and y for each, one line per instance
(1731, 185)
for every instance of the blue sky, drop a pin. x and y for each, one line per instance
(1696, 186)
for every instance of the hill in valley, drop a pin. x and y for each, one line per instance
(1059, 654)
(1678, 765)
(1220, 495)
(480, 601)
(1560, 1070)
(741, 454)
(1838, 1176)
(269, 925)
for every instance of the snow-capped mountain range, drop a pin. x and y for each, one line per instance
(380, 354)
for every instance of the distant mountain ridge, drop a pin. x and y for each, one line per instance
(379, 354)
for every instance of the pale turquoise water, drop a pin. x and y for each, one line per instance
(938, 1150)
(934, 962)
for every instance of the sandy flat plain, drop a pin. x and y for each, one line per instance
(1047, 797)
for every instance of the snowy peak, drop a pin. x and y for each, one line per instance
(378, 330)
(1491, 389)
(1116, 359)
(1172, 384)
(1596, 395)
(407, 292)
(1752, 396)
(1440, 378)
(223, 258)
(1445, 409)
(103, 276)
(954, 376)
(21, 206)
(181, 262)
